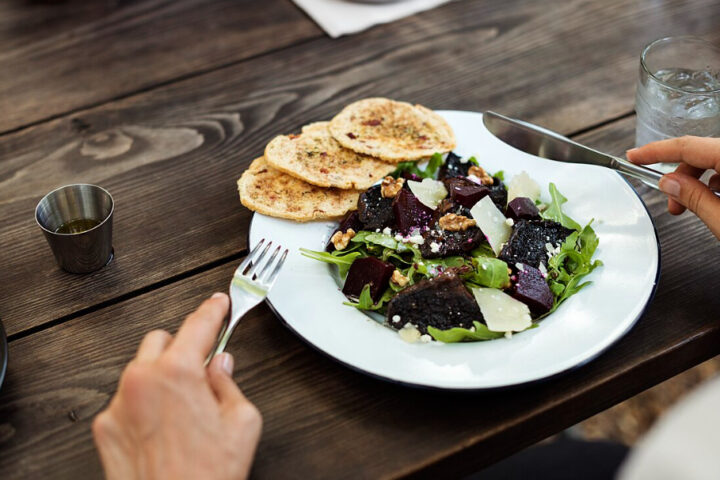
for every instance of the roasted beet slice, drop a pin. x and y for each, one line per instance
(351, 220)
(532, 289)
(522, 208)
(528, 239)
(442, 243)
(499, 194)
(465, 192)
(442, 302)
(374, 211)
(453, 167)
(409, 213)
(368, 271)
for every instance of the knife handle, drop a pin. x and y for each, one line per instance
(649, 176)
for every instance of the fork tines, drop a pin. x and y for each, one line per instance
(270, 268)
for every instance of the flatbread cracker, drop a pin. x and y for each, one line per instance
(316, 157)
(271, 192)
(392, 131)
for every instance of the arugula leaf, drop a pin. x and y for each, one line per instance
(343, 262)
(489, 272)
(457, 334)
(474, 161)
(433, 165)
(554, 210)
(431, 169)
(571, 264)
(500, 174)
(483, 250)
(387, 241)
(365, 301)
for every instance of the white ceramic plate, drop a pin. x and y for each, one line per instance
(306, 295)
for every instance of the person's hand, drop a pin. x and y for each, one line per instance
(173, 418)
(696, 155)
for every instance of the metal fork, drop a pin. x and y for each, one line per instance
(247, 288)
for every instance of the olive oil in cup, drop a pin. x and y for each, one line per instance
(77, 223)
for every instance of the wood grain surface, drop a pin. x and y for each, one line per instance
(323, 420)
(59, 56)
(171, 156)
(165, 103)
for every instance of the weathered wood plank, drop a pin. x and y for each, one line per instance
(317, 412)
(57, 57)
(171, 156)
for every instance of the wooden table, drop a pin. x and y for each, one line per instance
(166, 102)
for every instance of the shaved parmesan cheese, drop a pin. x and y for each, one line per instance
(492, 223)
(522, 185)
(502, 313)
(430, 192)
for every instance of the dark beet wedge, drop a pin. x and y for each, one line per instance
(532, 289)
(528, 239)
(453, 167)
(465, 192)
(351, 220)
(409, 213)
(499, 194)
(368, 271)
(522, 208)
(450, 243)
(374, 211)
(442, 302)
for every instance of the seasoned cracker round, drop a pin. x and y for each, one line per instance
(316, 157)
(392, 131)
(271, 192)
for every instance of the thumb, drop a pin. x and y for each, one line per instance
(221, 381)
(696, 196)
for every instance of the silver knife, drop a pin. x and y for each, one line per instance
(545, 143)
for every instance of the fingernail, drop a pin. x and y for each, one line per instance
(669, 186)
(631, 151)
(217, 295)
(227, 362)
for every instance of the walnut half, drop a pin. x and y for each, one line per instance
(399, 279)
(340, 240)
(455, 223)
(390, 186)
(480, 173)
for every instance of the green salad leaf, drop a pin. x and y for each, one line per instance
(430, 171)
(489, 272)
(457, 334)
(365, 301)
(571, 264)
(342, 259)
(554, 210)
(386, 241)
(500, 174)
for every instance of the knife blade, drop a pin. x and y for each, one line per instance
(545, 143)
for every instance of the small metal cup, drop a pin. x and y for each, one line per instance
(86, 251)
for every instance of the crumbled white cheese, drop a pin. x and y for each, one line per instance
(417, 239)
(425, 338)
(464, 159)
(520, 266)
(409, 333)
(509, 222)
(377, 230)
(396, 318)
(399, 237)
(434, 247)
(475, 179)
(387, 231)
(508, 334)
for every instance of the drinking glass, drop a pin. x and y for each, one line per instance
(678, 91)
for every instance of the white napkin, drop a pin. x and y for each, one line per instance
(340, 17)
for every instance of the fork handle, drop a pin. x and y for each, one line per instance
(225, 334)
